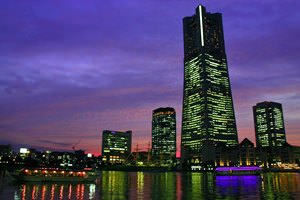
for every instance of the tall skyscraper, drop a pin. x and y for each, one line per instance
(208, 114)
(116, 146)
(269, 124)
(164, 134)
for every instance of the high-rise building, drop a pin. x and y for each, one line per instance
(269, 124)
(164, 134)
(208, 114)
(116, 146)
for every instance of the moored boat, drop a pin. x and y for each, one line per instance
(55, 175)
(243, 170)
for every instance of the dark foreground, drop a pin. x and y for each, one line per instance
(161, 185)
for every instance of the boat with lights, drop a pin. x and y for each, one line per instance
(243, 170)
(55, 175)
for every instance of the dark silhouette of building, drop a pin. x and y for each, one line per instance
(164, 134)
(247, 153)
(208, 114)
(5, 150)
(226, 156)
(116, 146)
(269, 124)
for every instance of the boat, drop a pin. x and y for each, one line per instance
(54, 175)
(243, 170)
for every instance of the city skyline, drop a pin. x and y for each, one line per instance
(69, 74)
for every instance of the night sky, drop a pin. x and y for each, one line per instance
(70, 69)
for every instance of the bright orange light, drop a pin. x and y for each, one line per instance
(54, 172)
(35, 171)
(63, 172)
(83, 173)
(26, 170)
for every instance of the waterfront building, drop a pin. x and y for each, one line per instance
(296, 154)
(208, 114)
(116, 146)
(5, 150)
(269, 124)
(6, 155)
(247, 153)
(164, 135)
(226, 156)
(274, 157)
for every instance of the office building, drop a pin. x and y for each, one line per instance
(164, 134)
(116, 146)
(269, 124)
(208, 114)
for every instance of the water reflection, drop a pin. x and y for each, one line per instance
(242, 186)
(281, 186)
(165, 185)
(114, 184)
(197, 185)
(54, 191)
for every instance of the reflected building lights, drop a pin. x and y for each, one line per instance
(230, 185)
(78, 191)
(43, 192)
(52, 191)
(16, 196)
(23, 192)
(33, 193)
(82, 192)
(196, 184)
(114, 185)
(140, 185)
(178, 186)
(70, 192)
(92, 188)
(61, 192)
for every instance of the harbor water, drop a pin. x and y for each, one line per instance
(160, 185)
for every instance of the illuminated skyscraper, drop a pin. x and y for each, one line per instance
(164, 134)
(269, 124)
(116, 146)
(208, 115)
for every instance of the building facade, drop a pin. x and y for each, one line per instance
(247, 153)
(208, 114)
(116, 146)
(164, 134)
(269, 124)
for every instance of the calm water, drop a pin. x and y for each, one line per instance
(168, 185)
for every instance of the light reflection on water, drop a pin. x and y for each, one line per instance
(168, 185)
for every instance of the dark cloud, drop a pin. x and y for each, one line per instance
(54, 143)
